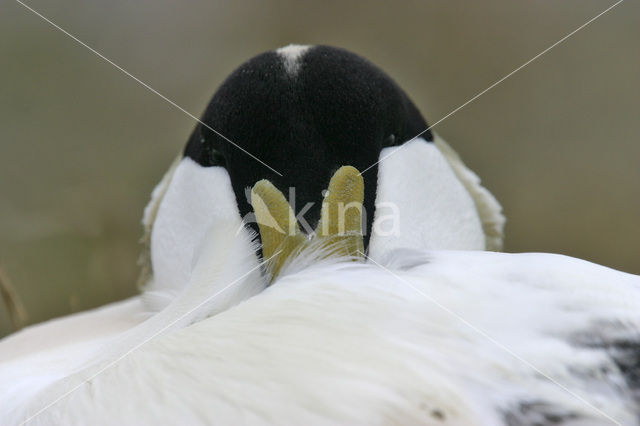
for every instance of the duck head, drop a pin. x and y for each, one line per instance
(293, 117)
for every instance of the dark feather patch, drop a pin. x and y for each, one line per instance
(538, 413)
(621, 342)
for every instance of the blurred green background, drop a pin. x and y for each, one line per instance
(82, 145)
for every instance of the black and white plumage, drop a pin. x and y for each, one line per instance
(429, 330)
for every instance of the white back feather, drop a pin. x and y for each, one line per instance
(353, 343)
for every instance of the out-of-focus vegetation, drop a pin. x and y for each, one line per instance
(81, 144)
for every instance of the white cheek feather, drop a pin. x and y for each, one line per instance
(489, 209)
(196, 198)
(449, 338)
(148, 218)
(419, 190)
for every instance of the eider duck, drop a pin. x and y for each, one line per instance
(317, 256)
